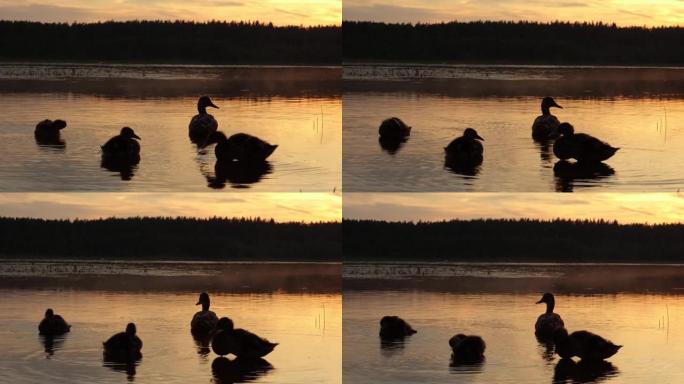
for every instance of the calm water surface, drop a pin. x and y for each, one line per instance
(639, 110)
(297, 108)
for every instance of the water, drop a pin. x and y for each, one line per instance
(504, 315)
(297, 108)
(305, 321)
(637, 109)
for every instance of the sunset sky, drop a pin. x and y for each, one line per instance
(624, 207)
(282, 207)
(280, 12)
(622, 12)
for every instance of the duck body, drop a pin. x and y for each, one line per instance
(549, 322)
(394, 327)
(202, 125)
(49, 130)
(122, 146)
(394, 129)
(242, 147)
(124, 346)
(583, 344)
(545, 126)
(581, 147)
(467, 348)
(466, 149)
(204, 321)
(239, 342)
(53, 324)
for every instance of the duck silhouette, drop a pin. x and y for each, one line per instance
(394, 327)
(47, 132)
(53, 324)
(580, 146)
(548, 322)
(123, 346)
(204, 321)
(394, 129)
(545, 126)
(467, 349)
(122, 146)
(583, 344)
(241, 147)
(239, 342)
(202, 125)
(464, 151)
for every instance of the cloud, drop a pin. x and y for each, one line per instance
(389, 13)
(45, 13)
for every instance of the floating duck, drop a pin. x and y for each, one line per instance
(241, 147)
(53, 324)
(204, 321)
(394, 327)
(48, 131)
(466, 149)
(545, 127)
(467, 349)
(583, 344)
(394, 129)
(580, 146)
(202, 125)
(548, 323)
(124, 346)
(123, 146)
(239, 342)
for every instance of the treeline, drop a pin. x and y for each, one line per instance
(502, 42)
(170, 42)
(149, 238)
(512, 241)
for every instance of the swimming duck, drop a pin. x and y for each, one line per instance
(545, 127)
(548, 322)
(580, 146)
(53, 324)
(467, 348)
(239, 342)
(394, 128)
(122, 146)
(465, 149)
(394, 327)
(204, 321)
(48, 130)
(241, 147)
(124, 345)
(583, 344)
(202, 124)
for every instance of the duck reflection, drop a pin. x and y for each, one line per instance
(462, 168)
(584, 371)
(203, 344)
(392, 346)
(51, 343)
(458, 365)
(126, 366)
(392, 145)
(567, 172)
(545, 152)
(126, 167)
(546, 349)
(238, 174)
(226, 371)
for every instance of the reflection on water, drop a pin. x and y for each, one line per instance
(567, 172)
(228, 371)
(570, 371)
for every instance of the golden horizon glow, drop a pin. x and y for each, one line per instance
(281, 207)
(626, 208)
(279, 12)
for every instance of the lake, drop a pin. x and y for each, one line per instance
(298, 108)
(639, 110)
(100, 298)
(500, 306)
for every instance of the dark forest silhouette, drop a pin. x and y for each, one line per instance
(513, 42)
(170, 42)
(512, 240)
(148, 238)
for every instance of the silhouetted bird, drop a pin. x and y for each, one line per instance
(124, 346)
(202, 125)
(53, 324)
(241, 147)
(548, 323)
(580, 146)
(545, 127)
(394, 129)
(394, 327)
(48, 132)
(466, 149)
(122, 146)
(467, 349)
(239, 342)
(583, 344)
(204, 321)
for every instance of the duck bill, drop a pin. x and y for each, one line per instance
(198, 303)
(212, 105)
(136, 137)
(479, 138)
(539, 302)
(556, 105)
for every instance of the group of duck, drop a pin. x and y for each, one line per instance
(468, 151)
(549, 328)
(205, 326)
(123, 149)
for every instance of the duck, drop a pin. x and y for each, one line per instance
(580, 146)
(467, 348)
(545, 126)
(124, 345)
(583, 344)
(49, 130)
(394, 327)
(548, 322)
(122, 146)
(239, 342)
(53, 324)
(466, 149)
(241, 147)
(394, 129)
(204, 321)
(202, 125)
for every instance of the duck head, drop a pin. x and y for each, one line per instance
(225, 324)
(127, 132)
(455, 341)
(550, 301)
(131, 329)
(59, 124)
(566, 129)
(470, 133)
(547, 103)
(203, 103)
(204, 300)
(49, 313)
